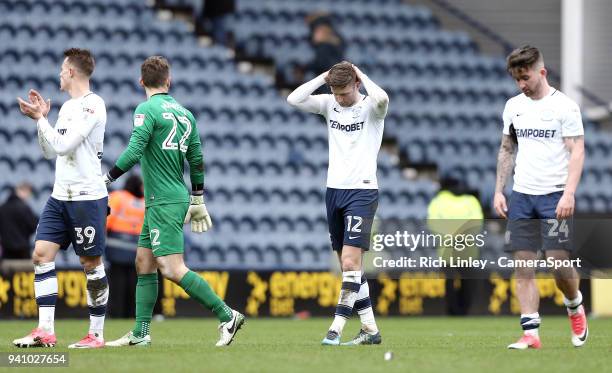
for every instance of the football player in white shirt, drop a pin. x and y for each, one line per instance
(547, 127)
(76, 211)
(355, 126)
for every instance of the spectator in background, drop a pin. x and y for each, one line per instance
(17, 224)
(454, 211)
(328, 47)
(123, 227)
(213, 20)
(327, 43)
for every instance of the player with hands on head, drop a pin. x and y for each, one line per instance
(355, 125)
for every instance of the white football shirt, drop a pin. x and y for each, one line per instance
(355, 136)
(542, 160)
(78, 174)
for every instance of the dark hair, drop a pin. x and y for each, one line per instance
(133, 185)
(524, 57)
(81, 59)
(155, 71)
(341, 74)
(449, 183)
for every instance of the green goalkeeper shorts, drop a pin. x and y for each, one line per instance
(162, 230)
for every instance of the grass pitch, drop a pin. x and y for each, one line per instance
(424, 344)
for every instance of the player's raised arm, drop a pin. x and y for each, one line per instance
(376, 93)
(141, 135)
(61, 145)
(303, 99)
(52, 143)
(47, 151)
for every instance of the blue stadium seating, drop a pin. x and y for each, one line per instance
(261, 155)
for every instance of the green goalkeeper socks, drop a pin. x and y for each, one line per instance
(146, 296)
(198, 289)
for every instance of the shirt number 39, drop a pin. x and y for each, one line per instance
(170, 141)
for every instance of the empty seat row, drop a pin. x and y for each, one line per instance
(392, 21)
(146, 22)
(388, 10)
(60, 8)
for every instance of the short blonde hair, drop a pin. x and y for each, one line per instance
(341, 75)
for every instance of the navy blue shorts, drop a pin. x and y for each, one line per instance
(533, 225)
(350, 213)
(80, 223)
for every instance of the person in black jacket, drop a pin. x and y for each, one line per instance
(327, 43)
(17, 224)
(328, 48)
(213, 20)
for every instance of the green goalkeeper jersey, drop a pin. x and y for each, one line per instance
(164, 134)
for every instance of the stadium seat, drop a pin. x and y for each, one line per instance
(262, 155)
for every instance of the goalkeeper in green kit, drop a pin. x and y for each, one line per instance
(164, 135)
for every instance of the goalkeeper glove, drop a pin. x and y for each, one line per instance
(107, 179)
(198, 215)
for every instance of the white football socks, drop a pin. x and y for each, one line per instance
(351, 282)
(363, 305)
(97, 298)
(45, 291)
(530, 322)
(572, 304)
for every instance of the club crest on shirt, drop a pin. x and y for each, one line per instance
(139, 120)
(88, 110)
(356, 112)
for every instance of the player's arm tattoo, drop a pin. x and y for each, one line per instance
(505, 162)
(575, 146)
(570, 141)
